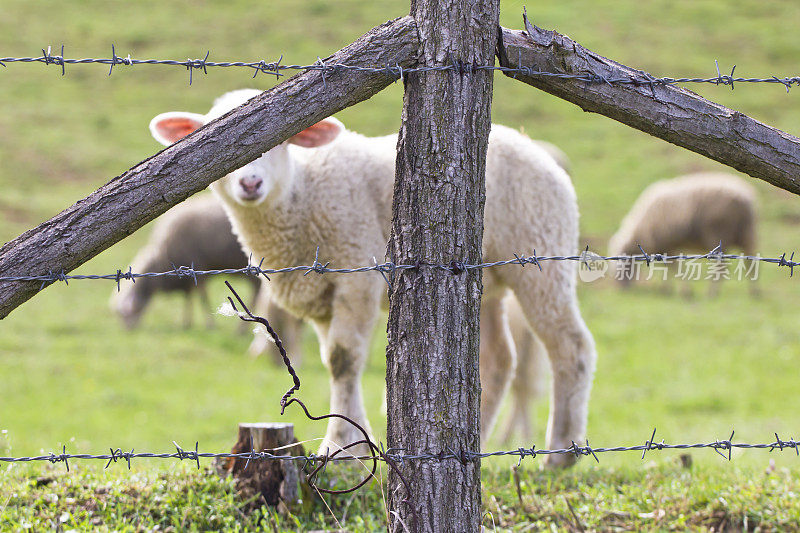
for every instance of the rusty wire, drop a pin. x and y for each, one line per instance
(375, 453)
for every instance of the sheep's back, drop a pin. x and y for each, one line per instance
(530, 200)
(688, 212)
(198, 232)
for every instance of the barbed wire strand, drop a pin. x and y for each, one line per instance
(723, 447)
(394, 458)
(388, 269)
(276, 68)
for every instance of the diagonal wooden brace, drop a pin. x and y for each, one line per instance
(128, 202)
(671, 113)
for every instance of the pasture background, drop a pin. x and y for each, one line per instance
(69, 372)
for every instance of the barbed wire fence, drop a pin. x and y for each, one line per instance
(277, 68)
(391, 457)
(387, 269)
(117, 455)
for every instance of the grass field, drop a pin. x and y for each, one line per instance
(694, 368)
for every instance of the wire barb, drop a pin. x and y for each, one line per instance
(400, 456)
(398, 72)
(455, 266)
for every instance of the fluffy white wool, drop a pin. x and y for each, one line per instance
(338, 196)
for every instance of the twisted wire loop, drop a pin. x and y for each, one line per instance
(247, 316)
(375, 454)
(396, 72)
(455, 266)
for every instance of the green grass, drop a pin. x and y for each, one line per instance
(695, 369)
(664, 496)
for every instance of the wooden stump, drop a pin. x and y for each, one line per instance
(275, 482)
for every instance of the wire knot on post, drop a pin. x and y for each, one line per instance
(457, 267)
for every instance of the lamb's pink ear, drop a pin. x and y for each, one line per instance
(168, 128)
(319, 134)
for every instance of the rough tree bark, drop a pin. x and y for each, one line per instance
(133, 199)
(672, 113)
(432, 358)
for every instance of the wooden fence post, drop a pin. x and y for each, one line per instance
(432, 358)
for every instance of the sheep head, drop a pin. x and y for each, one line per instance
(267, 176)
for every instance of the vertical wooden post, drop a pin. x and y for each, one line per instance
(432, 358)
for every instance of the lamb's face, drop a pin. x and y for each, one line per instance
(267, 176)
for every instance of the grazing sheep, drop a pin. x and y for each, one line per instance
(338, 196)
(196, 232)
(690, 213)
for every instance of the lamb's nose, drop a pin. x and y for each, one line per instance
(250, 184)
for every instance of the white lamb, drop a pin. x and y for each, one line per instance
(196, 232)
(338, 197)
(692, 213)
(530, 373)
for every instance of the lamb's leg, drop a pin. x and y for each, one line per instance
(528, 383)
(551, 307)
(572, 358)
(187, 310)
(205, 305)
(344, 345)
(263, 306)
(497, 361)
